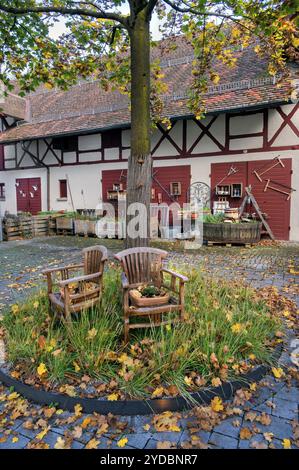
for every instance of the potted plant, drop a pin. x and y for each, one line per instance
(148, 296)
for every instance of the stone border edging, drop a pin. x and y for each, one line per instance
(137, 407)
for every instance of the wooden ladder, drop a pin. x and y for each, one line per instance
(258, 210)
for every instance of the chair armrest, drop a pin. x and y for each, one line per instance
(87, 277)
(173, 273)
(124, 281)
(61, 268)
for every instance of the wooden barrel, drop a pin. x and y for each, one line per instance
(232, 233)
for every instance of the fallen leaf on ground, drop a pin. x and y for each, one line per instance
(216, 404)
(60, 443)
(92, 444)
(165, 445)
(122, 442)
(245, 433)
(286, 443)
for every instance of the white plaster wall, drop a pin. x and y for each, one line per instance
(86, 178)
(90, 142)
(246, 124)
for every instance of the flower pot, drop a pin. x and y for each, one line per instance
(139, 301)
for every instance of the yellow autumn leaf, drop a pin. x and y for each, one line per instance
(188, 381)
(216, 382)
(253, 387)
(158, 392)
(286, 443)
(92, 333)
(113, 397)
(85, 423)
(215, 78)
(174, 428)
(42, 434)
(15, 439)
(36, 304)
(122, 442)
(216, 404)
(147, 427)
(15, 309)
(92, 444)
(229, 316)
(236, 328)
(76, 366)
(277, 372)
(78, 409)
(42, 369)
(252, 357)
(13, 396)
(48, 85)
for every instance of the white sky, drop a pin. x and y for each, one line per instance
(60, 28)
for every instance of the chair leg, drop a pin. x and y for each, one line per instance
(126, 330)
(182, 313)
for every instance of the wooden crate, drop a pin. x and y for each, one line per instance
(40, 225)
(17, 228)
(65, 225)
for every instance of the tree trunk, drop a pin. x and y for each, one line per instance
(140, 161)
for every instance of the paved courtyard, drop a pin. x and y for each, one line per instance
(260, 418)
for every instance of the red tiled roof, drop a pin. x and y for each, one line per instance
(86, 107)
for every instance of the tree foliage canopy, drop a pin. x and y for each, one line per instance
(97, 40)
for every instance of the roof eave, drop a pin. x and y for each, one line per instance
(126, 125)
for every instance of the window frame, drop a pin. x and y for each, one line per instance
(63, 192)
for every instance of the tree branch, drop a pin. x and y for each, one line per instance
(199, 12)
(151, 5)
(67, 11)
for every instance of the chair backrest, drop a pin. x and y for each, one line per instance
(142, 265)
(94, 259)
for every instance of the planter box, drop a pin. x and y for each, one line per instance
(64, 224)
(232, 233)
(85, 227)
(148, 301)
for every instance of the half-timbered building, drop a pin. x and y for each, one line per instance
(65, 149)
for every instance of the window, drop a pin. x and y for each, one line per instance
(66, 144)
(63, 189)
(175, 189)
(2, 191)
(111, 139)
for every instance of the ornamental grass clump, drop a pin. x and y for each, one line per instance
(228, 330)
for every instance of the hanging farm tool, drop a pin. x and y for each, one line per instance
(277, 161)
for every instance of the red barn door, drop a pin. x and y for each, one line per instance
(274, 203)
(28, 191)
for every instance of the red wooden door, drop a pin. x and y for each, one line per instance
(28, 192)
(162, 177)
(273, 203)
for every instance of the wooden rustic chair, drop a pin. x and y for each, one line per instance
(144, 266)
(88, 286)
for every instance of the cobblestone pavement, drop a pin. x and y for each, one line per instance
(269, 418)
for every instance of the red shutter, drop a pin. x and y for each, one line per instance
(63, 188)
